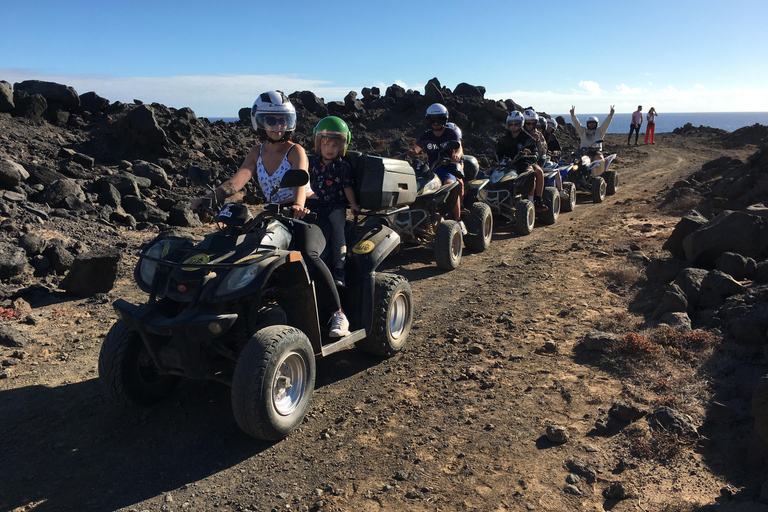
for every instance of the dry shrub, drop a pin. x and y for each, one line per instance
(9, 314)
(657, 445)
(682, 345)
(681, 506)
(666, 340)
(624, 274)
(639, 346)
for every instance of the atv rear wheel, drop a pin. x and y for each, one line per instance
(569, 204)
(273, 382)
(611, 182)
(479, 227)
(598, 189)
(127, 372)
(448, 244)
(551, 199)
(525, 217)
(392, 316)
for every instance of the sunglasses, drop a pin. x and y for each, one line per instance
(515, 123)
(273, 120)
(532, 123)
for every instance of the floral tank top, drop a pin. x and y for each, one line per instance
(268, 183)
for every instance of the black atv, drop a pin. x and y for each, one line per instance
(426, 221)
(505, 191)
(240, 308)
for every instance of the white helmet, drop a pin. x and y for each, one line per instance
(551, 122)
(437, 111)
(454, 128)
(592, 119)
(530, 115)
(541, 124)
(515, 117)
(271, 108)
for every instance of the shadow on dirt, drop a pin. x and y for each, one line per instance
(104, 457)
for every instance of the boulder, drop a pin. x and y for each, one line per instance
(6, 96)
(600, 341)
(13, 260)
(472, 91)
(140, 127)
(93, 272)
(689, 281)
(59, 257)
(152, 172)
(13, 338)
(687, 225)
(32, 243)
(52, 92)
(667, 419)
(12, 174)
(736, 265)
(64, 193)
(664, 270)
(92, 102)
(29, 106)
(673, 301)
(731, 231)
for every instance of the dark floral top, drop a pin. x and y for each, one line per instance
(328, 182)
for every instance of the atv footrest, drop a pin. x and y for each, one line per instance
(350, 339)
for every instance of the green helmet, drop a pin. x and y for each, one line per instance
(332, 126)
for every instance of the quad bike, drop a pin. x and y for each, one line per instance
(427, 221)
(550, 169)
(591, 172)
(506, 193)
(239, 307)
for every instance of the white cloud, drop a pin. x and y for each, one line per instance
(592, 88)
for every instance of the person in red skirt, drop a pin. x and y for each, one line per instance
(650, 128)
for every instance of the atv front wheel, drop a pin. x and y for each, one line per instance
(611, 182)
(525, 217)
(127, 372)
(392, 316)
(598, 189)
(448, 243)
(551, 199)
(570, 203)
(479, 227)
(273, 382)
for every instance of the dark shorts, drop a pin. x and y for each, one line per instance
(444, 174)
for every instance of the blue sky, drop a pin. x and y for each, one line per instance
(217, 56)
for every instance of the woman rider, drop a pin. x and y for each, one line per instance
(274, 119)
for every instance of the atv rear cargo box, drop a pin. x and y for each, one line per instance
(381, 183)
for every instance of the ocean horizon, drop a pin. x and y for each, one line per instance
(665, 122)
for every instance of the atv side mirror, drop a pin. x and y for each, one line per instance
(294, 178)
(453, 144)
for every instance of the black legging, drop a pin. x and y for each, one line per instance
(311, 240)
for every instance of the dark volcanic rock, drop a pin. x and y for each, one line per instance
(93, 272)
(52, 92)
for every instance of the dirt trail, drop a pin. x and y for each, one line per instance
(457, 422)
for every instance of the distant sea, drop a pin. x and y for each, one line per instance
(665, 122)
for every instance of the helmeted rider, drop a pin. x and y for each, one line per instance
(590, 134)
(515, 141)
(331, 181)
(274, 119)
(553, 145)
(435, 139)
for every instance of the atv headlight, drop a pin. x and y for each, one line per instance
(236, 279)
(147, 267)
(431, 186)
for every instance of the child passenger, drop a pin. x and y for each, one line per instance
(331, 181)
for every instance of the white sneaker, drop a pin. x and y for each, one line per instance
(339, 325)
(564, 195)
(463, 227)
